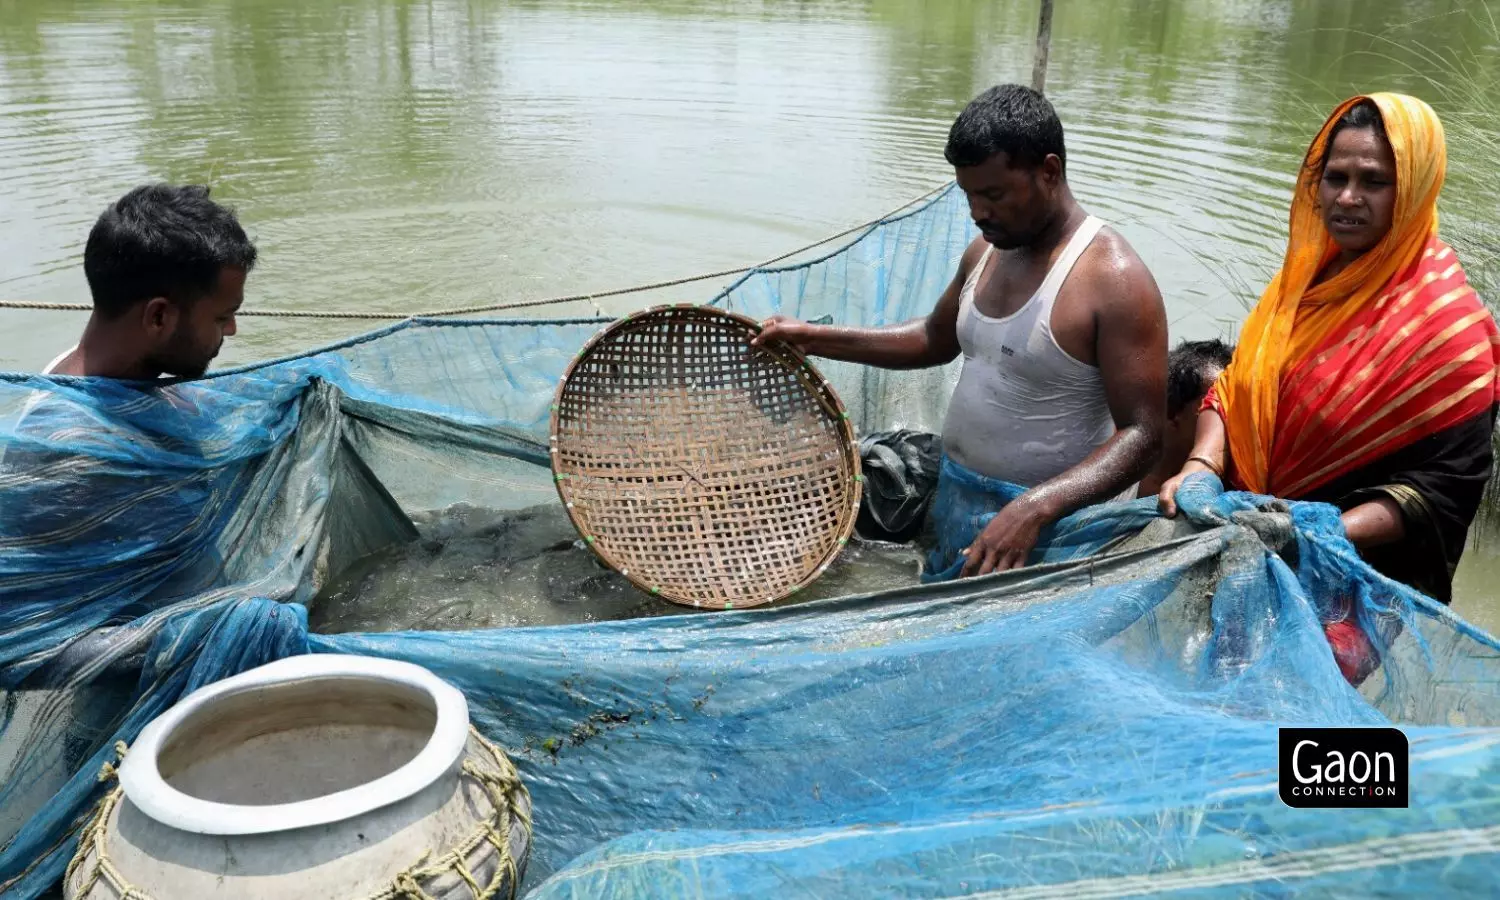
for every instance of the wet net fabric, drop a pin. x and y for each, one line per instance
(1102, 723)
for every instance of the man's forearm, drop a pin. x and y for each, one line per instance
(904, 346)
(1118, 463)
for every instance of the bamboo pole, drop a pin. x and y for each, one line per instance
(1043, 46)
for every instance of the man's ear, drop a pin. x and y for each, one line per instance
(159, 317)
(1052, 170)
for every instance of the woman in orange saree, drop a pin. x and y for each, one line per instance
(1366, 375)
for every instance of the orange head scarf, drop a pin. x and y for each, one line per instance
(1293, 319)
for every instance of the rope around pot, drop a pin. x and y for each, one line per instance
(500, 782)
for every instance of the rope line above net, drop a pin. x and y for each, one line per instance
(524, 304)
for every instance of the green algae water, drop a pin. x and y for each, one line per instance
(407, 156)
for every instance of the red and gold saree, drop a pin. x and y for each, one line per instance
(1378, 382)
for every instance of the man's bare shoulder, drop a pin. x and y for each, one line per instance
(1110, 255)
(1113, 271)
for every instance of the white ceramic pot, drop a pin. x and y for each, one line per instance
(313, 777)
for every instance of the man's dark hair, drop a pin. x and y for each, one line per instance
(1010, 119)
(162, 240)
(1191, 368)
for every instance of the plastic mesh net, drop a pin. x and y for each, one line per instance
(1101, 724)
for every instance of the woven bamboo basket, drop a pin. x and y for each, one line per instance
(713, 473)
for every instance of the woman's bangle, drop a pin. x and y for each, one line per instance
(1212, 466)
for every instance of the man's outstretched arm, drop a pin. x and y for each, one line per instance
(918, 344)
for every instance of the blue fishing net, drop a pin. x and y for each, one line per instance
(1103, 723)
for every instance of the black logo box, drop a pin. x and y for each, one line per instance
(1343, 768)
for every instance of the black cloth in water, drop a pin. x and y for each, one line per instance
(901, 475)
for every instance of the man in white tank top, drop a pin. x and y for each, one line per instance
(1062, 398)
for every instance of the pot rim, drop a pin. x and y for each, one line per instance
(142, 782)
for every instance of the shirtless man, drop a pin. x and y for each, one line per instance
(166, 267)
(1062, 330)
(104, 501)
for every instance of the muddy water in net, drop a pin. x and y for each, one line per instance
(483, 568)
(403, 156)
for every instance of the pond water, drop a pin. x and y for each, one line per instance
(407, 156)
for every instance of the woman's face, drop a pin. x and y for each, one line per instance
(1357, 193)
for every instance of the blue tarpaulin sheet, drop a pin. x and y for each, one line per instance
(1103, 723)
